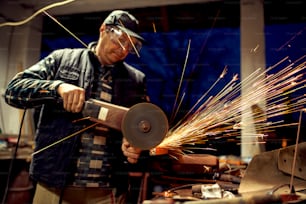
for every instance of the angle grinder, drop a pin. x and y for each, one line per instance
(144, 125)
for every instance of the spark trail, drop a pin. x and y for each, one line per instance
(220, 115)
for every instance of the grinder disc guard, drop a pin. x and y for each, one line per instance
(144, 126)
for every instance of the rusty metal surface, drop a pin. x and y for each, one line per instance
(263, 175)
(285, 161)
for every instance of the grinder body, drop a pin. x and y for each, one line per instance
(144, 125)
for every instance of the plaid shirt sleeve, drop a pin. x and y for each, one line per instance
(35, 85)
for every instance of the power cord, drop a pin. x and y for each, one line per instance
(13, 160)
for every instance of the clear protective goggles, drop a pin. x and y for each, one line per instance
(124, 40)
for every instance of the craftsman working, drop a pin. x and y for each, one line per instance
(91, 167)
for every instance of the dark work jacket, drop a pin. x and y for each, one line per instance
(36, 87)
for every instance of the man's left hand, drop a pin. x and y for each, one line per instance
(132, 153)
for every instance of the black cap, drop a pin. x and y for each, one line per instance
(125, 21)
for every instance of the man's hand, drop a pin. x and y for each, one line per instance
(130, 152)
(73, 97)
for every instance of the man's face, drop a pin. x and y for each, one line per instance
(116, 45)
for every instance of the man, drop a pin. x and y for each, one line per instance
(92, 166)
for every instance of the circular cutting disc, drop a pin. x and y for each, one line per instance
(144, 126)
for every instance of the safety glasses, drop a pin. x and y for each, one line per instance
(124, 40)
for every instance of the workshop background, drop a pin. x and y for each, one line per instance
(217, 32)
(213, 31)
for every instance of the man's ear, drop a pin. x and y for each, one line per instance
(102, 28)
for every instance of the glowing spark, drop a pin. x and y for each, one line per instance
(290, 40)
(154, 28)
(181, 80)
(220, 115)
(255, 49)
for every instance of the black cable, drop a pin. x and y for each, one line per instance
(12, 161)
(60, 201)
